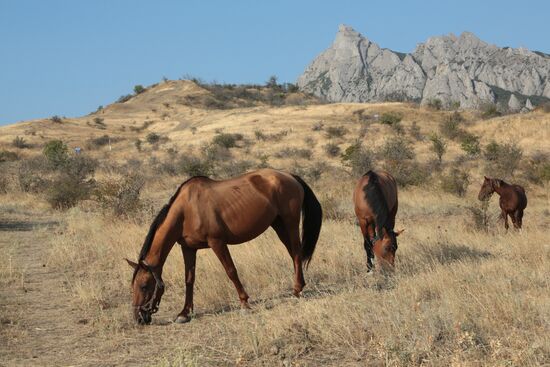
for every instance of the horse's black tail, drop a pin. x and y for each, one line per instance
(312, 218)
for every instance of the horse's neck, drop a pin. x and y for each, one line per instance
(502, 188)
(163, 241)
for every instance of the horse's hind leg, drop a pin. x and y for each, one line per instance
(189, 258)
(519, 218)
(367, 244)
(222, 252)
(504, 216)
(291, 239)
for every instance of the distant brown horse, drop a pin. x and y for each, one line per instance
(513, 200)
(375, 200)
(206, 213)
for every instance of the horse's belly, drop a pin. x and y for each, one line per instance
(248, 225)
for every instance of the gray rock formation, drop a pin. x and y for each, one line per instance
(452, 69)
(529, 105)
(514, 105)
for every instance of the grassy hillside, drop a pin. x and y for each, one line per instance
(464, 292)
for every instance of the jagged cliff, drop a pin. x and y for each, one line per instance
(452, 69)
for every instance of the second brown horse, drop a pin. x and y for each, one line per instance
(205, 213)
(375, 201)
(512, 201)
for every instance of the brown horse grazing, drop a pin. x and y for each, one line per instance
(375, 200)
(513, 200)
(206, 213)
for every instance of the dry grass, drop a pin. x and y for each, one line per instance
(458, 296)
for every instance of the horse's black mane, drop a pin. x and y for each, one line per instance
(161, 216)
(377, 202)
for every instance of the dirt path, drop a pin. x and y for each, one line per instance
(32, 296)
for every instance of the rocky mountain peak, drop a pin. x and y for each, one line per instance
(453, 69)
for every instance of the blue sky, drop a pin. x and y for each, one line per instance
(67, 57)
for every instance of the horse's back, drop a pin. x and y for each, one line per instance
(242, 207)
(387, 185)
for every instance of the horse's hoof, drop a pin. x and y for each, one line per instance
(297, 294)
(182, 319)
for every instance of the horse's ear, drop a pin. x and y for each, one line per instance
(132, 264)
(486, 178)
(399, 232)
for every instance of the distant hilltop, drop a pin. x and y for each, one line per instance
(449, 69)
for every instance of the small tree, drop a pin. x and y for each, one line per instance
(56, 152)
(153, 138)
(439, 147)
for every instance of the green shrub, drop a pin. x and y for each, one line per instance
(408, 172)
(152, 138)
(137, 144)
(335, 132)
(227, 140)
(470, 144)
(396, 150)
(435, 104)
(358, 158)
(390, 118)
(332, 149)
(56, 119)
(138, 89)
(235, 168)
(439, 146)
(456, 182)
(192, 165)
(124, 98)
(56, 152)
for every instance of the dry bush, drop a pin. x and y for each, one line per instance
(450, 126)
(31, 174)
(227, 140)
(358, 158)
(502, 159)
(456, 182)
(333, 132)
(537, 169)
(415, 132)
(435, 104)
(291, 152)
(73, 182)
(439, 146)
(390, 118)
(8, 156)
(332, 149)
(470, 144)
(489, 110)
(121, 196)
(19, 142)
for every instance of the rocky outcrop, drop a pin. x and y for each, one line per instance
(452, 69)
(514, 104)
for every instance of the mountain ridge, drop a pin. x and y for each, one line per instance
(454, 69)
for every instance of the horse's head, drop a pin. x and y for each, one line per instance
(147, 290)
(487, 188)
(385, 247)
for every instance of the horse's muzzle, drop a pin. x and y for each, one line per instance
(142, 317)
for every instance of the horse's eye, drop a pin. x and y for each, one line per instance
(143, 288)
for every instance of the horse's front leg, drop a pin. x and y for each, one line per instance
(190, 259)
(222, 252)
